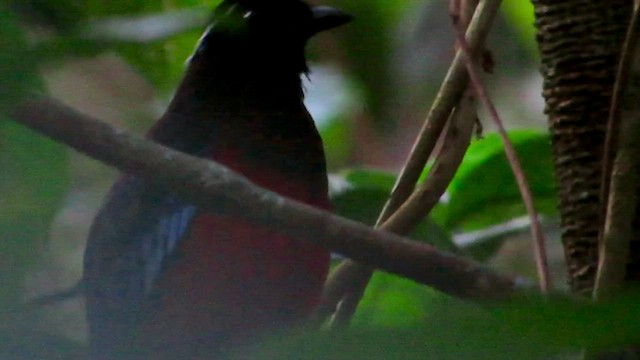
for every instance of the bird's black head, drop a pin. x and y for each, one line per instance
(261, 33)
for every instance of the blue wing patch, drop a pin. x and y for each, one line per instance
(159, 243)
(132, 238)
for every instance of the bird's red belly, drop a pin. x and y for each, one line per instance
(233, 281)
(243, 281)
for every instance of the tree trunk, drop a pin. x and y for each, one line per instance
(580, 43)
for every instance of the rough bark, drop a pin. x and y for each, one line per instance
(580, 43)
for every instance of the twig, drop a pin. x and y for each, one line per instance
(448, 96)
(215, 187)
(619, 184)
(620, 177)
(350, 275)
(422, 201)
(455, 146)
(525, 192)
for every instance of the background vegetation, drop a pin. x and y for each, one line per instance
(370, 87)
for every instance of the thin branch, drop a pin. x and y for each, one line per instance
(215, 187)
(620, 176)
(525, 192)
(452, 88)
(426, 197)
(422, 201)
(348, 274)
(613, 123)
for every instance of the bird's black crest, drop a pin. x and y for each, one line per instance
(271, 24)
(264, 22)
(262, 34)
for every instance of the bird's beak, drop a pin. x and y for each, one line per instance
(325, 18)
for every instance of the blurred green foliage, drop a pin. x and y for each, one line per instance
(33, 171)
(519, 14)
(161, 60)
(484, 192)
(18, 70)
(368, 43)
(360, 195)
(398, 319)
(526, 328)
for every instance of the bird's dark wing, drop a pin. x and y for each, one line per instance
(132, 238)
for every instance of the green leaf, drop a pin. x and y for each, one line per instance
(361, 194)
(389, 300)
(336, 136)
(392, 301)
(520, 14)
(484, 192)
(18, 70)
(526, 328)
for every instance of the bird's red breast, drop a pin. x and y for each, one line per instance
(233, 280)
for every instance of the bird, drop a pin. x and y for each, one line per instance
(164, 279)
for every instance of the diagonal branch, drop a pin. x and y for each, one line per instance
(423, 200)
(213, 186)
(349, 279)
(621, 166)
(514, 161)
(451, 90)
